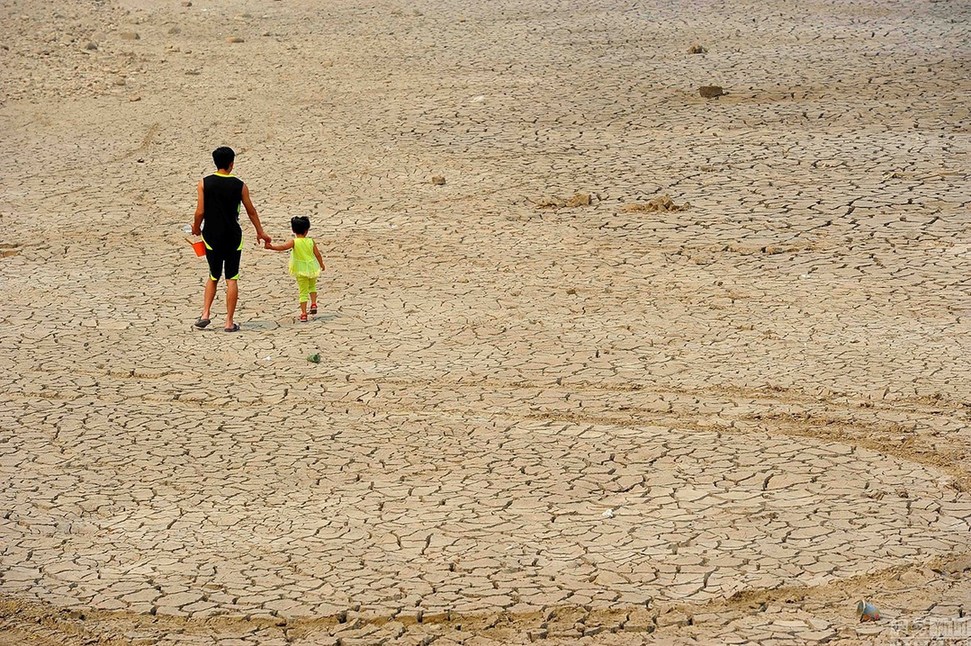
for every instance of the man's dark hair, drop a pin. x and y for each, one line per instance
(223, 157)
(300, 224)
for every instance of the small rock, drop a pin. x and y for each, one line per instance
(711, 91)
(234, 39)
(129, 35)
(959, 565)
(91, 46)
(697, 49)
(119, 81)
(673, 618)
(438, 180)
(818, 624)
(134, 98)
(551, 202)
(579, 199)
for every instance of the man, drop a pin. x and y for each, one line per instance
(217, 221)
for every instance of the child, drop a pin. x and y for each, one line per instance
(305, 263)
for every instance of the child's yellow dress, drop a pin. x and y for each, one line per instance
(304, 267)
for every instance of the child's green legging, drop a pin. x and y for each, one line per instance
(307, 286)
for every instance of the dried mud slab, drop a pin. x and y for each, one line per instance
(660, 203)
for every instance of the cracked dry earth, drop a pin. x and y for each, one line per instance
(588, 423)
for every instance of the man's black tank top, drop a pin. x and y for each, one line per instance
(221, 197)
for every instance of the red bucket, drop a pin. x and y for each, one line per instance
(199, 247)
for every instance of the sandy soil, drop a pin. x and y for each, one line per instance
(601, 360)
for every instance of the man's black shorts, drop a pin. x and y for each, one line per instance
(220, 259)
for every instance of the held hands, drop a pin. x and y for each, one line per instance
(265, 238)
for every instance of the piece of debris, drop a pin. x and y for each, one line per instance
(438, 180)
(697, 49)
(314, 358)
(234, 39)
(711, 91)
(659, 203)
(866, 611)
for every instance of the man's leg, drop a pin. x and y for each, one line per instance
(232, 286)
(232, 295)
(215, 262)
(208, 296)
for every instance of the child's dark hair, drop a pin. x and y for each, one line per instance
(300, 224)
(223, 157)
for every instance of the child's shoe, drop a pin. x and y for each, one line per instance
(303, 318)
(313, 308)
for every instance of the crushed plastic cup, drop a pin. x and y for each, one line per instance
(866, 611)
(198, 246)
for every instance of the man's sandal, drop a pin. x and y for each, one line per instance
(201, 323)
(235, 328)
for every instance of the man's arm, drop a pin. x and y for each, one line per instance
(254, 216)
(197, 219)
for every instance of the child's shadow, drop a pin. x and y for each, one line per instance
(262, 326)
